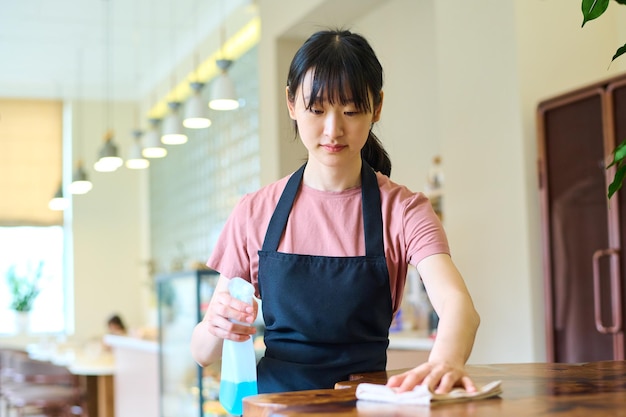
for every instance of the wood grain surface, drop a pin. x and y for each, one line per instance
(595, 389)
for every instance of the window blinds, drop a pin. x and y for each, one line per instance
(30, 161)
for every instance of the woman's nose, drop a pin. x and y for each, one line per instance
(333, 125)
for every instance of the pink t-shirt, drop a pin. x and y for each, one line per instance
(330, 224)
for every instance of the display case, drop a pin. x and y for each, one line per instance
(187, 390)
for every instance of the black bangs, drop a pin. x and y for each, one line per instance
(345, 68)
(338, 77)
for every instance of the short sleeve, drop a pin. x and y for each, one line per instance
(424, 233)
(230, 255)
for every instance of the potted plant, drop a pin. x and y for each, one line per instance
(592, 9)
(24, 289)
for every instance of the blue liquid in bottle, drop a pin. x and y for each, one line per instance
(232, 395)
(238, 378)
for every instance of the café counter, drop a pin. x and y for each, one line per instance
(595, 389)
(136, 373)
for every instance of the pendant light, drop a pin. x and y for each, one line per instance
(152, 146)
(135, 159)
(223, 95)
(195, 109)
(58, 202)
(172, 126)
(196, 116)
(172, 130)
(80, 183)
(108, 156)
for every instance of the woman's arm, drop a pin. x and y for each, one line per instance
(208, 335)
(458, 323)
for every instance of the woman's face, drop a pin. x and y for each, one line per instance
(332, 133)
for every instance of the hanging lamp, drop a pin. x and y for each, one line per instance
(223, 95)
(108, 156)
(135, 159)
(109, 159)
(172, 133)
(152, 146)
(195, 110)
(58, 202)
(80, 183)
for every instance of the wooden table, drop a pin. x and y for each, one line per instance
(97, 382)
(595, 389)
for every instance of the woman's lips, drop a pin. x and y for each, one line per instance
(333, 148)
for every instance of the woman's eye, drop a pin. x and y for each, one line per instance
(351, 113)
(316, 111)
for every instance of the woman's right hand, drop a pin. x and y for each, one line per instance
(218, 324)
(225, 311)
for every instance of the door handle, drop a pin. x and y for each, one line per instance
(616, 293)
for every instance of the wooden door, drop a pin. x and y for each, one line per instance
(575, 222)
(616, 256)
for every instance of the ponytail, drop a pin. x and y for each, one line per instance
(375, 155)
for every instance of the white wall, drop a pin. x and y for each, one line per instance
(109, 228)
(481, 138)
(407, 51)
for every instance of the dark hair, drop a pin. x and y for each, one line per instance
(343, 62)
(116, 320)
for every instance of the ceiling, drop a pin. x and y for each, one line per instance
(101, 49)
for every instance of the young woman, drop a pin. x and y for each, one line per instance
(328, 247)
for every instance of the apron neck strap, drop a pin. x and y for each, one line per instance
(370, 204)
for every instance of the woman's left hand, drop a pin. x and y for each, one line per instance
(440, 377)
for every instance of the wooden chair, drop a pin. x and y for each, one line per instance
(9, 357)
(51, 389)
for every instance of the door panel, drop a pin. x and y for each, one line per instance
(575, 219)
(616, 107)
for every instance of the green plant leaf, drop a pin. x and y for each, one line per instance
(620, 51)
(621, 1)
(618, 154)
(617, 181)
(24, 288)
(592, 9)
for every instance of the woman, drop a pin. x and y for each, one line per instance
(330, 266)
(116, 326)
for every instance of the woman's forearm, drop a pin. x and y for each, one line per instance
(458, 319)
(458, 324)
(205, 347)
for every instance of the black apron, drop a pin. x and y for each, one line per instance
(325, 317)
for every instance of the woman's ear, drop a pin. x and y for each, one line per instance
(378, 109)
(290, 105)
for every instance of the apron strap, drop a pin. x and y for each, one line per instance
(372, 212)
(279, 218)
(370, 203)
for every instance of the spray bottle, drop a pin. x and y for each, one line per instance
(238, 378)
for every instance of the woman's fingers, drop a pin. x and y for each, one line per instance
(223, 315)
(440, 378)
